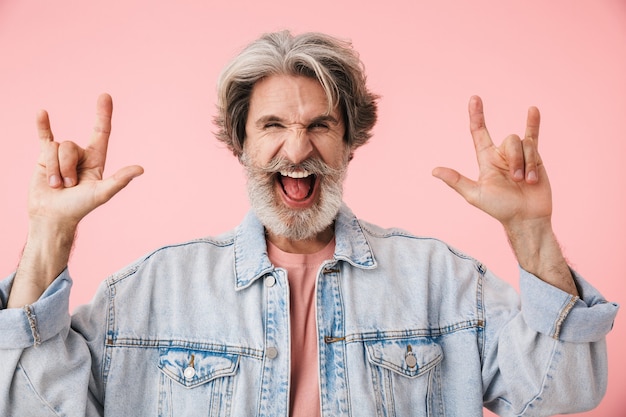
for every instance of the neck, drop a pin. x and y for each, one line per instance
(305, 246)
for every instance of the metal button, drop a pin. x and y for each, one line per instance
(411, 360)
(189, 372)
(270, 281)
(271, 352)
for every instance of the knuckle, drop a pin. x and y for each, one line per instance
(512, 142)
(46, 135)
(513, 146)
(67, 150)
(68, 159)
(102, 129)
(67, 144)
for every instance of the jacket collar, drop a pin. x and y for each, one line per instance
(252, 261)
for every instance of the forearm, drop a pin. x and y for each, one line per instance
(538, 252)
(45, 256)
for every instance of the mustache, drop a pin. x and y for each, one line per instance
(313, 165)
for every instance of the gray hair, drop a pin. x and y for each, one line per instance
(333, 62)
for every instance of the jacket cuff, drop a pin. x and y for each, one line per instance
(560, 315)
(33, 324)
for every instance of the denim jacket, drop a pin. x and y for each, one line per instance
(407, 326)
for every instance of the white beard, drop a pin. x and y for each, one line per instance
(295, 224)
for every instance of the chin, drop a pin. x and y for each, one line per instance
(297, 224)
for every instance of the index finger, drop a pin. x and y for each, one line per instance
(478, 128)
(532, 124)
(44, 132)
(102, 127)
(43, 128)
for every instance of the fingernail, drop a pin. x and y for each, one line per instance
(518, 175)
(532, 176)
(54, 181)
(68, 182)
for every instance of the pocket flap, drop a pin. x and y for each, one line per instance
(191, 368)
(407, 357)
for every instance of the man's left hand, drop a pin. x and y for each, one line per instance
(513, 188)
(512, 185)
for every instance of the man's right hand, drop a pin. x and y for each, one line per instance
(67, 184)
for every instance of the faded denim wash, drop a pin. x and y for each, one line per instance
(407, 326)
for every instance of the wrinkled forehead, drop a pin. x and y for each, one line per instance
(294, 98)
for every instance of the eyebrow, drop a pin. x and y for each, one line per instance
(324, 118)
(272, 118)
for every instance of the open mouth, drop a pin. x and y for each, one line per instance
(297, 186)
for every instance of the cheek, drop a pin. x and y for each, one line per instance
(254, 154)
(335, 155)
(260, 151)
(332, 147)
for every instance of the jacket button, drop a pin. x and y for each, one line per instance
(411, 361)
(270, 281)
(189, 372)
(271, 352)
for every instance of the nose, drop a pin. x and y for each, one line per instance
(297, 146)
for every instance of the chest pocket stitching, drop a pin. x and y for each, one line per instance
(208, 366)
(392, 354)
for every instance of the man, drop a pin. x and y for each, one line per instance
(302, 309)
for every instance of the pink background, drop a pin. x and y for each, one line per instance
(160, 61)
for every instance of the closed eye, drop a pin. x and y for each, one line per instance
(319, 126)
(272, 125)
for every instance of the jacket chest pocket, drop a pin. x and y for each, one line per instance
(406, 376)
(196, 382)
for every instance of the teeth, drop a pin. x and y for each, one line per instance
(295, 174)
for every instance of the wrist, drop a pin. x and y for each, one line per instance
(532, 241)
(538, 252)
(45, 256)
(48, 247)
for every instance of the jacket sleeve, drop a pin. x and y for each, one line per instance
(48, 368)
(548, 356)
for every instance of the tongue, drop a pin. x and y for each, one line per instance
(297, 188)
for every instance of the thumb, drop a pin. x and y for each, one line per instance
(114, 184)
(459, 183)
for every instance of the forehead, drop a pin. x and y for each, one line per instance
(290, 97)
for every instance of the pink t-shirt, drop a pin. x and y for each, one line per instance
(302, 271)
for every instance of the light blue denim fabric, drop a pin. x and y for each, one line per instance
(407, 326)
